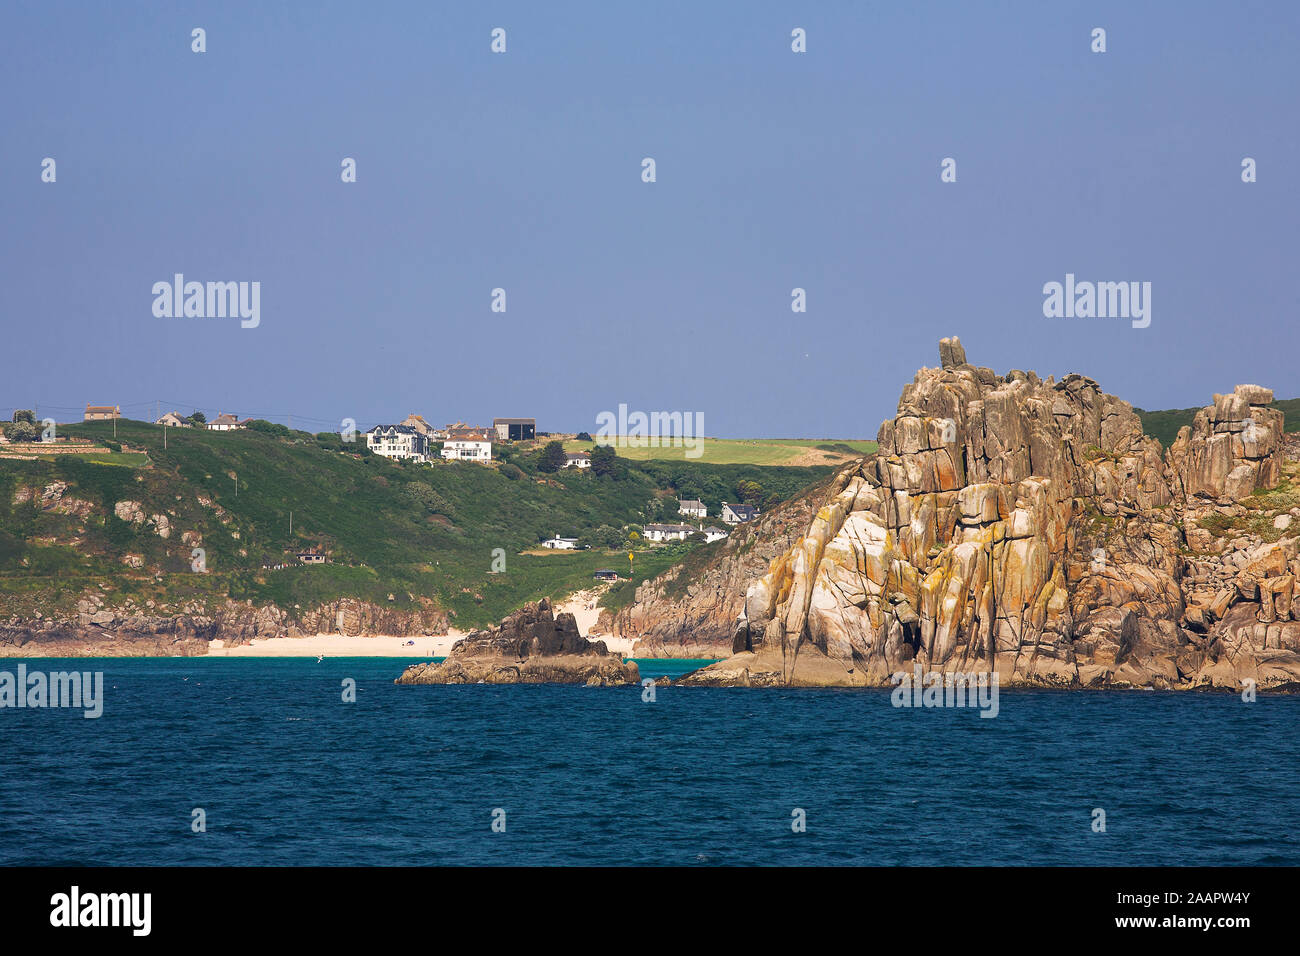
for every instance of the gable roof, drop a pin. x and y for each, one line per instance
(225, 418)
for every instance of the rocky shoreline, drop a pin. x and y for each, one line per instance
(99, 629)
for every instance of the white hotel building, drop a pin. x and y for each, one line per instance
(398, 441)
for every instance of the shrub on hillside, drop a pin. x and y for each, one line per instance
(423, 496)
(268, 428)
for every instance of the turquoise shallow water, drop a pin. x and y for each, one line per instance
(288, 773)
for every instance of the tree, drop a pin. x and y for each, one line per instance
(198, 418)
(552, 458)
(750, 492)
(17, 431)
(25, 415)
(583, 436)
(605, 461)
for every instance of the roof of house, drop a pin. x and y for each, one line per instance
(102, 408)
(739, 509)
(514, 421)
(690, 503)
(400, 429)
(669, 527)
(716, 530)
(575, 455)
(469, 434)
(561, 538)
(224, 419)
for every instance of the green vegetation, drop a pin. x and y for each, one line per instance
(403, 529)
(1163, 425)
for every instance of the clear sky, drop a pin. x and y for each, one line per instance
(522, 170)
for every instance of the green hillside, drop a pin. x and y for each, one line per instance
(410, 530)
(1163, 425)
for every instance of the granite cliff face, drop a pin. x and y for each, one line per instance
(531, 646)
(1028, 527)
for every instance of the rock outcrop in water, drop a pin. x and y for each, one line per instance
(1030, 528)
(532, 646)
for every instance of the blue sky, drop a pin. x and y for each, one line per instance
(775, 170)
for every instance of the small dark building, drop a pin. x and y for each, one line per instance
(605, 574)
(515, 429)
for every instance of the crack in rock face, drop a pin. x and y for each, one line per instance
(1030, 528)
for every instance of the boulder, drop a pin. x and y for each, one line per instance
(531, 646)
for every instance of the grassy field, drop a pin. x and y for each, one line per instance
(749, 451)
(410, 530)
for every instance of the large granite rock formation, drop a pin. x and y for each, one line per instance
(531, 646)
(1028, 527)
(1232, 447)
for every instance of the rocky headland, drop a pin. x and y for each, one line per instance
(1026, 527)
(532, 646)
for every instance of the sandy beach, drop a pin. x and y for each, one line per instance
(581, 605)
(339, 645)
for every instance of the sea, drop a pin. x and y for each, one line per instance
(287, 761)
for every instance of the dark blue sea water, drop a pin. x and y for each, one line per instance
(289, 774)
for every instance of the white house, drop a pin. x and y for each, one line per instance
(172, 420)
(578, 459)
(735, 514)
(667, 532)
(224, 423)
(468, 444)
(398, 441)
(691, 508)
(712, 534)
(560, 544)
